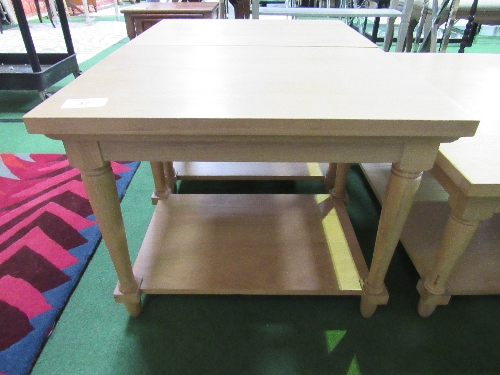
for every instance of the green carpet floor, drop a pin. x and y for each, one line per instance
(254, 334)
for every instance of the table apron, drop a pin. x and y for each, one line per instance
(263, 151)
(252, 152)
(412, 155)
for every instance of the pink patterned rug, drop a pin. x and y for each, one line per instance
(47, 237)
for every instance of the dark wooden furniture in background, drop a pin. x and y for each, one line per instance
(140, 17)
(241, 8)
(47, 8)
(76, 6)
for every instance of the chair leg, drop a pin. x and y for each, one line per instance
(409, 35)
(3, 19)
(246, 9)
(376, 25)
(38, 12)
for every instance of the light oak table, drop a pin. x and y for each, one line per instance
(294, 104)
(332, 34)
(453, 232)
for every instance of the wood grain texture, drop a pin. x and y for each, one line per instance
(251, 34)
(248, 244)
(194, 101)
(317, 33)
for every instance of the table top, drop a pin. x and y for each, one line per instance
(231, 32)
(472, 80)
(249, 90)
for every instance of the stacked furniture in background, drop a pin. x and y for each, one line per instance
(425, 14)
(77, 6)
(346, 13)
(140, 17)
(9, 12)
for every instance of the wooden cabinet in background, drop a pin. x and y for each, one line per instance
(140, 17)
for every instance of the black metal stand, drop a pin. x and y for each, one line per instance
(381, 4)
(3, 19)
(32, 71)
(469, 29)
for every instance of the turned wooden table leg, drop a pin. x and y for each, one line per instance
(339, 190)
(170, 175)
(466, 214)
(159, 179)
(161, 190)
(330, 176)
(399, 195)
(456, 237)
(100, 185)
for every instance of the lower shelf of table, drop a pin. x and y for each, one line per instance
(250, 244)
(249, 171)
(477, 270)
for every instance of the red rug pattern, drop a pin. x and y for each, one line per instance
(47, 236)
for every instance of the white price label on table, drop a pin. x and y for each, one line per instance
(85, 103)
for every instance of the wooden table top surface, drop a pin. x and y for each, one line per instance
(251, 90)
(472, 80)
(231, 32)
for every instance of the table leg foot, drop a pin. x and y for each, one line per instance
(367, 309)
(371, 298)
(134, 308)
(430, 298)
(131, 299)
(424, 309)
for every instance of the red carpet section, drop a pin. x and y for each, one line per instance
(47, 236)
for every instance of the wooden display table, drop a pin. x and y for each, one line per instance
(455, 252)
(296, 103)
(253, 33)
(140, 17)
(338, 36)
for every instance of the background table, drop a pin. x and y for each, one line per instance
(140, 17)
(330, 34)
(294, 104)
(451, 236)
